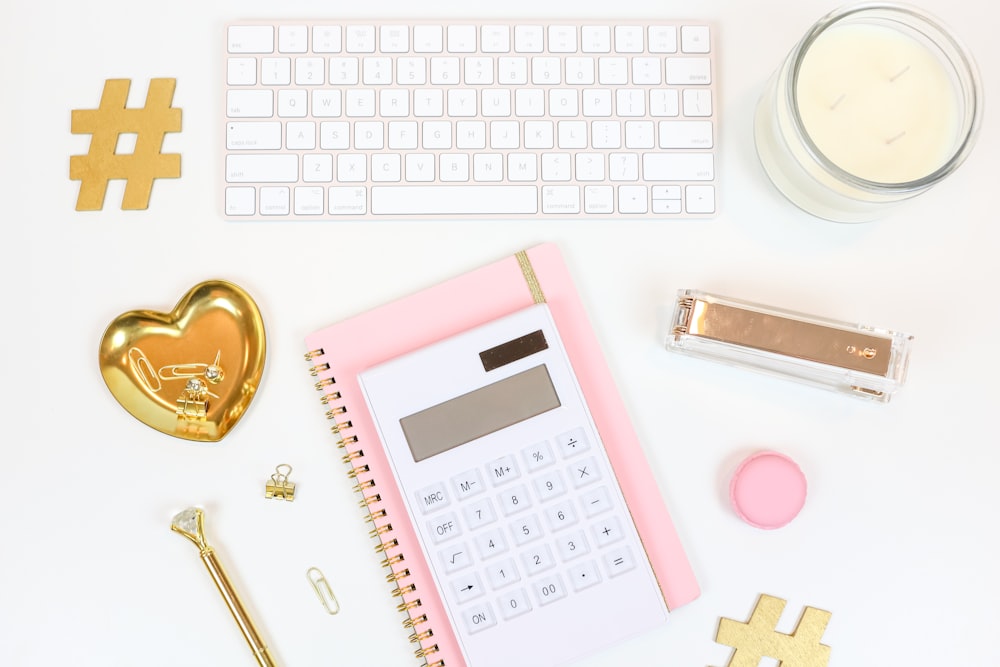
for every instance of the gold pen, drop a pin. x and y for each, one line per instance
(191, 524)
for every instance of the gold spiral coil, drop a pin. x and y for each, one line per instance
(426, 651)
(404, 590)
(418, 637)
(385, 546)
(393, 577)
(312, 354)
(344, 442)
(335, 429)
(375, 516)
(360, 470)
(406, 606)
(332, 396)
(325, 382)
(319, 368)
(392, 560)
(361, 486)
(350, 456)
(339, 410)
(439, 663)
(381, 530)
(368, 501)
(412, 622)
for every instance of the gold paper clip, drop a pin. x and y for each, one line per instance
(323, 590)
(279, 486)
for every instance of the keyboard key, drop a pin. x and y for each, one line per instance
(274, 200)
(618, 561)
(454, 199)
(572, 442)
(360, 39)
(695, 39)
(348, 201)
(251, 39)
(700, 198)
(688, 71)
(515, 500)
(241, 201)
(292, 39)
(537, 456)
(276, 71)
(584, 472)
(327, 38)
(685, 134)
(308, 200)
(561, 515)
(241, 72)
(491, 543)
(250, 103)
(253, 136)
(538, 560)
(678, 166)
(479, 513)
(262, 168)
(595, 501)
(572, 545)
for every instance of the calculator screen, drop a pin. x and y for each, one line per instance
(479, 412)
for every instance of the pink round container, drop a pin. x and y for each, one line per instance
(768, 490)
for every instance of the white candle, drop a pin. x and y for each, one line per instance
(875, 105)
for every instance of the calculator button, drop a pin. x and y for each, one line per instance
(479, 513)
(561, 515)
(550, 485)
(549, 589)
(538, 456)
(455, 558)
(502, 574)
(595, 501)
(444, 527)
(513, 604)
(432, 497)
(468, 483)
(538, 560)
(584, 472)
(584, 575)
(503, 470)
(491, 543)
(479, 617)
(572, 442)
(525, 530)
(573, 545)
(467, 587)
(619, 561)
(608, 531)
(515, 500)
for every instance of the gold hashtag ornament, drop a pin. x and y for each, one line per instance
(759, 637)
(140, 167)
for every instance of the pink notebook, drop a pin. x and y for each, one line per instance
(340, 352)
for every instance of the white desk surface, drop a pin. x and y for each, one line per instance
(897, 539)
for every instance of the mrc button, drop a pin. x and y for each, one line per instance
(432, 497)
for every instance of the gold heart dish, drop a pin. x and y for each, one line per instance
(192, 372)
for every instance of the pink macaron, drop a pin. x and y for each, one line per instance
(768, 490)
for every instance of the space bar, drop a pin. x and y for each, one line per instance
(454, 199)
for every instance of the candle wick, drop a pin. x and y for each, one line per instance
(898, 136)
(899, 74)
(839, 100)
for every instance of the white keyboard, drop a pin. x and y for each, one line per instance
(452, 119)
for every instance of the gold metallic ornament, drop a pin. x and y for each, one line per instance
(192, 372)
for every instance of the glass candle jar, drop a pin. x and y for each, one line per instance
(874, 105)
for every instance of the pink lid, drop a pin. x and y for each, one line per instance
(768, 490)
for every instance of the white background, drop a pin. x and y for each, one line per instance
(897, 538)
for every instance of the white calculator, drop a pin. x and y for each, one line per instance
(513, 498)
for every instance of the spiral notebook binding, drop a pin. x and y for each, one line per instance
(388, 547)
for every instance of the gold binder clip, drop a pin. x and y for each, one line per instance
(323, 590)
(279, 486)
(192, 405)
